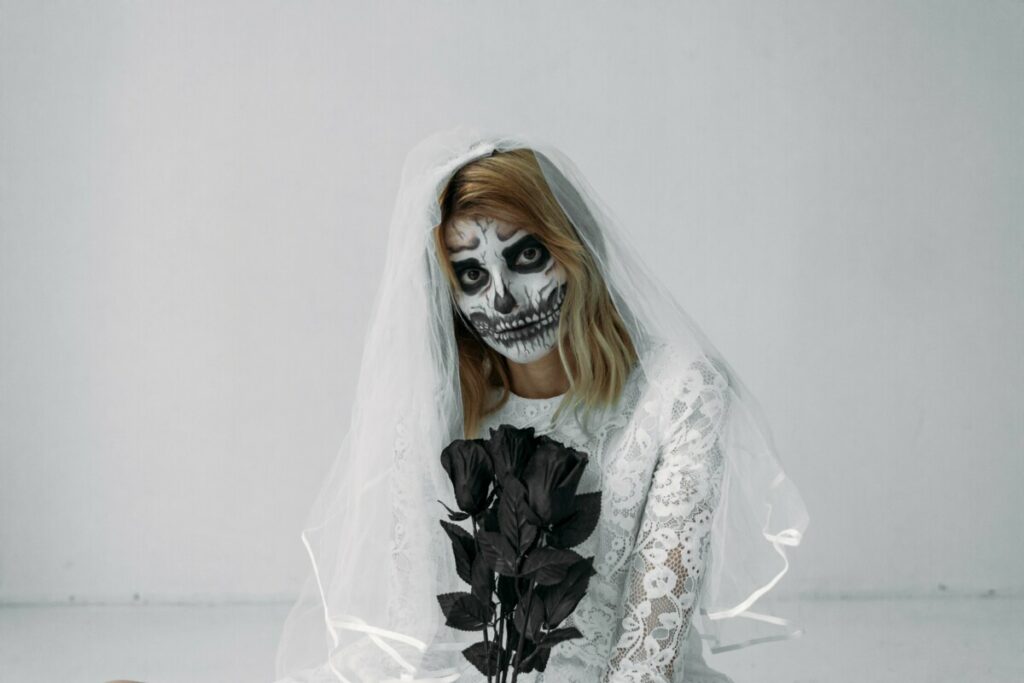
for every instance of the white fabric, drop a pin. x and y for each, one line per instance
(653, 535)
(710, 542)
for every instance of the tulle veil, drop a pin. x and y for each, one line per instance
(368, 611)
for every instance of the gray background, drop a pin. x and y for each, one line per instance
(193, 205)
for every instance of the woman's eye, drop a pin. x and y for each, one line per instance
(472, 276)
(528, 256)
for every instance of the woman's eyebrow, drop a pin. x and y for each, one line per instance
(469, 245)
(513, 249)
(470, 262)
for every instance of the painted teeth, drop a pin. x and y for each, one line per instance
(525, 327)
(504, 326)
(505, 332)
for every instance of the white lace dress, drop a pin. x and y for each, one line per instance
(651, 542)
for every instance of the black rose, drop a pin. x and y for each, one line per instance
(510, 448)
(551, 477)
(468, 465)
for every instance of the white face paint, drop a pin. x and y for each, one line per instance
(510, 287)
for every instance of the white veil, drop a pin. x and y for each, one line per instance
(368, 611)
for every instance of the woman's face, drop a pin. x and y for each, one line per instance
(510, 288)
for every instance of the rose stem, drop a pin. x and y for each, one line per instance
(502, 673)
(487, 647)
(522, 634)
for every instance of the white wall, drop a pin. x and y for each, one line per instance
(193, 202)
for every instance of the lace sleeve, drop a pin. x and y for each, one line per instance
(669, 558)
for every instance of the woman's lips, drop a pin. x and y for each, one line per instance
(520, 327)
(550, 306)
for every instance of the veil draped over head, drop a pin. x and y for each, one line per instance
(368, 610)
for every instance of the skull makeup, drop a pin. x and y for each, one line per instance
(510, 287)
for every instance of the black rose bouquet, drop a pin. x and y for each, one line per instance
(519, 489)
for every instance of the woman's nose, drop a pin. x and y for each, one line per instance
(504, 302)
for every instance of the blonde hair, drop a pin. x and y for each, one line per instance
(594, 345)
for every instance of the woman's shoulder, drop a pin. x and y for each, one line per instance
(690, 394)
(676, 370)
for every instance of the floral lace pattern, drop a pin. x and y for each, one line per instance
(670, 554)
(656, 459)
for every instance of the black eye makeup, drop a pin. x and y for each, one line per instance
(528, 255)
(472, 278)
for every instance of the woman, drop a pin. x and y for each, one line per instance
(509, 297)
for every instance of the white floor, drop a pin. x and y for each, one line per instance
(862, 641)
